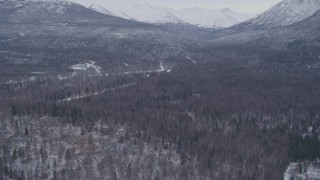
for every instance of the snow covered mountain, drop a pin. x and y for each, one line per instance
(303, 33)
(307, 30)
(286, 13)
(144, 12)
(51, 11)
(210, 18)
(311, 23)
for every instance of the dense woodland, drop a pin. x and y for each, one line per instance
(233, 115)
(90, 96)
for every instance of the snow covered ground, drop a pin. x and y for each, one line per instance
(71, 152)
(30, 79)
(86, 66)
(303, 171)
(81, 96)
(162, 68)
(190, 59)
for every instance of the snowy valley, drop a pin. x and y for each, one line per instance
(123, 91)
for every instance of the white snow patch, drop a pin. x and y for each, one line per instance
(121, 35)
(9, 39)
(30, 79)
(60, 77)
(37, 72)
(86, 66)
(291, 170)
(15, 53)
(62, 24)
(193, 61)
(81, 96)
(161, 69)
(303, 171)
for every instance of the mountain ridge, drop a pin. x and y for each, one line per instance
(285, 13)
(148, 13)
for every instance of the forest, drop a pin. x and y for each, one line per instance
(238, 113)
(86, 95)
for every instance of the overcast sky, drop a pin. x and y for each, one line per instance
(248, 6)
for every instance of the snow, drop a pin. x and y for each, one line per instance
(210, 18)
(15, 53)
(143, 12)
(313, 172)
(60, 10)
(95, 145)
(287, 12)
(146, 12)
(81, 96)
(62, 24)
(91, 65)
(193, 61)
(162, 68)
(60, 77)
(37, 72)
(86, 66)
(292, 168)
(10, 39)
(30, 79)
(309, 171)
(121, 35)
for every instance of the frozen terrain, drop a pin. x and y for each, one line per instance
(303, 171)
(287, 12)
(145, 12)
(63, 151)
(86, 67)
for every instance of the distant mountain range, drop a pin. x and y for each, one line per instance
(284, 13)
(208, 18)
(285, 22)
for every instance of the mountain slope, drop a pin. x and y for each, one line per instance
(308, 27)
(285, 13)
(208, 18)
(303, 39)
(139, 12)
(81, 34)
(53, 11)
(285, 22)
